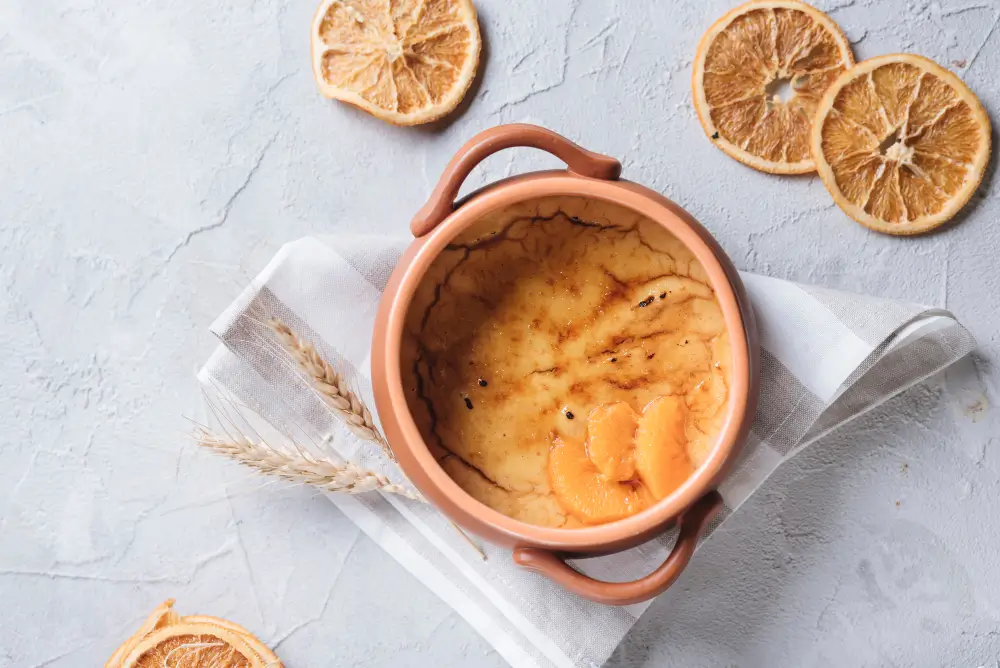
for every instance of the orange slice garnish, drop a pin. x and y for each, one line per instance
(741, 62)
(661, 458)
(405, 61)
(581, 489)
(901, 143)
(611, 440)
(628, 463)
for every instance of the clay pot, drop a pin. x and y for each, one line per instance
(594, 177)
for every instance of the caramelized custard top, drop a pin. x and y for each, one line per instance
(539, 315)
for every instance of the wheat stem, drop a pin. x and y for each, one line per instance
(331, 385)
(333, 388)
(300, 467)
(468, 539)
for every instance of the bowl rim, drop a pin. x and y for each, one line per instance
(416, 459)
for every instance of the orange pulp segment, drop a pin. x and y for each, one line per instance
(581, 489)
(661, 458)
(611, 440)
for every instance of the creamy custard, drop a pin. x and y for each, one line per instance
(536, 317)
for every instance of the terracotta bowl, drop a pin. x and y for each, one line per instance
(593, 179)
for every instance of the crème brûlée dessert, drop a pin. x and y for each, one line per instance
(567, 362)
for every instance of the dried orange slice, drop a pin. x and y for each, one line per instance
(163, 615)
(403, 61)
(196, 646)
(256, 644)
(581, 489)
(744, 59)
(224, 623)
(165, 619)
(901, 143)
(116, 659)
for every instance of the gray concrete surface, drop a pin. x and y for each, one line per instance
(153, 156)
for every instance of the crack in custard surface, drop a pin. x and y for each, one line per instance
(537, 316)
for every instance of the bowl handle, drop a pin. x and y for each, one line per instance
(442, 200)
(691, 524)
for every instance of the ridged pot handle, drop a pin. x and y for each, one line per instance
(578, 159)
(554, 567)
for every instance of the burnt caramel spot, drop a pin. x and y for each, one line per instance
(629, 384)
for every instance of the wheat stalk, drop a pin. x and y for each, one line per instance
(333, 388)
(299, 467)
(331, 385)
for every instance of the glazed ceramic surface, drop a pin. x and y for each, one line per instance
(531, 319)
(590, 186)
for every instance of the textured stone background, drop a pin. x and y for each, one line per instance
(154, 155)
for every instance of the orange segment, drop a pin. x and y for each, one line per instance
(611, 440)
(403, 61)
(901, 143)
(583, 491)
(744, 58)
(661, 458)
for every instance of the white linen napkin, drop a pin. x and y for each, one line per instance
(827, 357)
